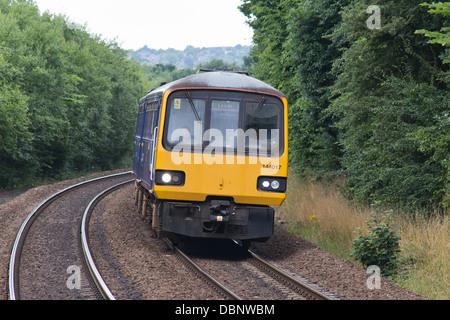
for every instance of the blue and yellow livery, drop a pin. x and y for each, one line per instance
(211, 156)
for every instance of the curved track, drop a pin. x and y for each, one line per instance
(95, 274)
(53, 270)
(54, 239)
(278, 284)
(213, 282)
(292, 282)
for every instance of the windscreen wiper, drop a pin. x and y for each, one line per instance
(261, 103)
(191, 102)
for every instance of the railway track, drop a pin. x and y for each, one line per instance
(300, 286)
(216, 284)
(66, 248)
(282, 282)
(63, 229)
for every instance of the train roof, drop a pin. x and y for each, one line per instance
(217, 80)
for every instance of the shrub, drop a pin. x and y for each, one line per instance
(379, 245)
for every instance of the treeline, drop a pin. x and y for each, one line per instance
(67, 98)
(165, 73)
(190, 57)
(368, 84)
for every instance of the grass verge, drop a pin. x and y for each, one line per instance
(318, 212)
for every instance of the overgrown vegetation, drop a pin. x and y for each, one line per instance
(369, 103)
(318, 212)
(191, 56)
(370, 108)
(165, 73)
(380, 244)
(67, 98)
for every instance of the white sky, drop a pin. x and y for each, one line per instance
(159, 24)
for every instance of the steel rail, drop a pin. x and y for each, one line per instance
(293, 283)
(101, 285)
(23, 231)
(202, 273)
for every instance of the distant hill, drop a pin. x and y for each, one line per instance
(191, 56)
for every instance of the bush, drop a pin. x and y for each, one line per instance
(380, 244)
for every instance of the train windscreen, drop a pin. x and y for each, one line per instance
(224, 121)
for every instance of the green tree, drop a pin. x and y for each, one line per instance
(443, 35)
(362, 100)
(435, 138)
(68, 99)
(293, 53)
(219, 64)
(15, 147)
(312, 53)
(164, 73)
(269, 22)
(388, 87)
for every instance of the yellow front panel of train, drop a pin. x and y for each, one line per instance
(218, 174)
(238, 181)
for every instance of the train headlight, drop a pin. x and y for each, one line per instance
(272, 184)
(169, 178)
(166, 178)
(275, 184)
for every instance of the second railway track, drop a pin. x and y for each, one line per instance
(47, 253)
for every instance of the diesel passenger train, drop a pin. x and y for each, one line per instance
(211, 156)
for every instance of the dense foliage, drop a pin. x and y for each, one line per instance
(165, 73)
(191, 56)
(67, 98)
(368, 102)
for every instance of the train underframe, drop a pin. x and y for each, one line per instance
(214, 218)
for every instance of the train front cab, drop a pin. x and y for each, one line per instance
(219, 164)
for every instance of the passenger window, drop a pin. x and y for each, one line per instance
(264, 119)
(140, 123)
(224, 116)
(149, 124)
(182, 120)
